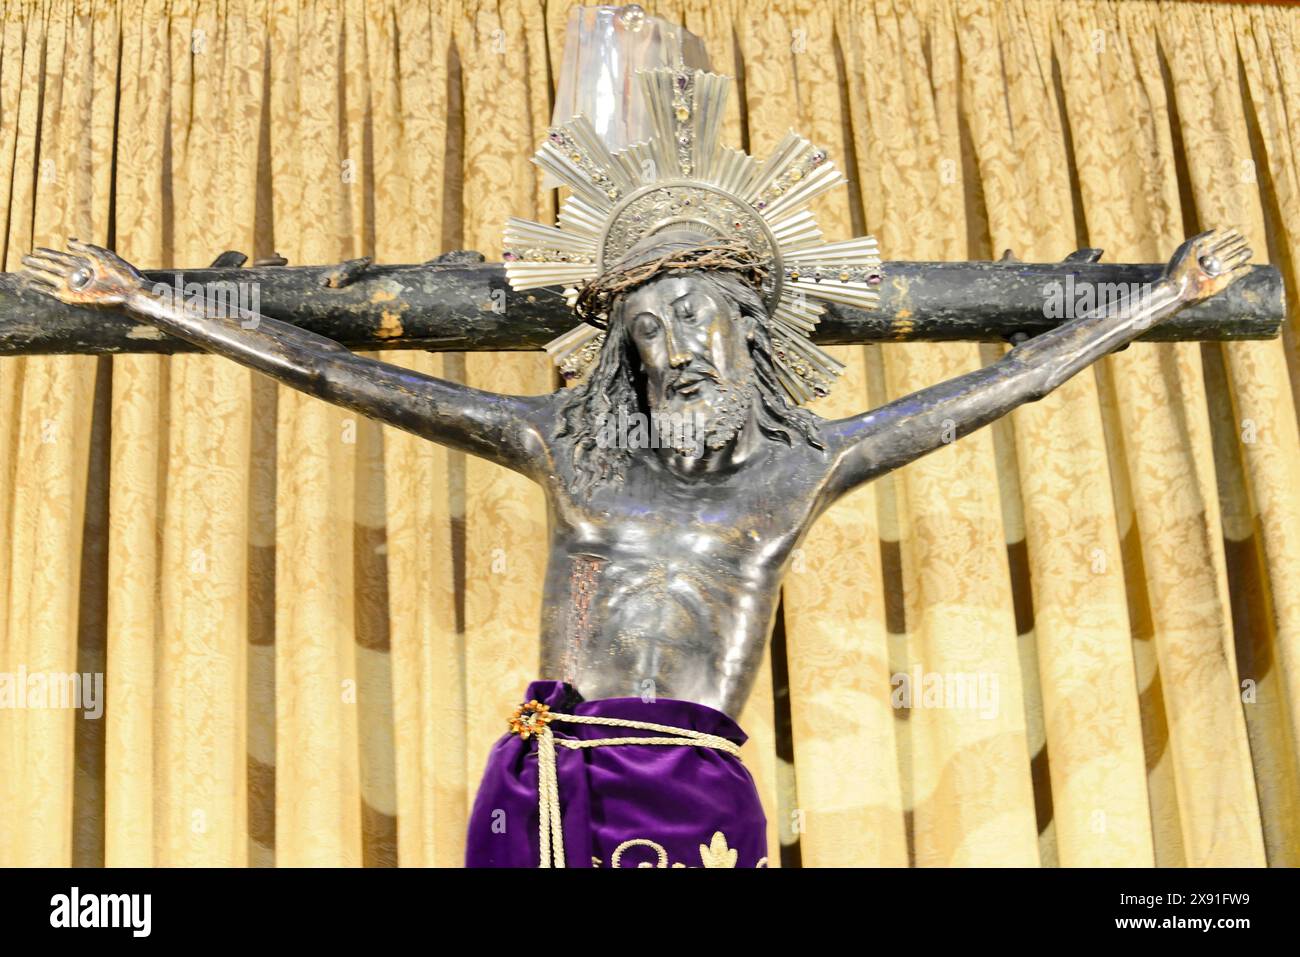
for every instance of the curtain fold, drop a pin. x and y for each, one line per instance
(311, 627)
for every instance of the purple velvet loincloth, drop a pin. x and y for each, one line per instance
(657, 796)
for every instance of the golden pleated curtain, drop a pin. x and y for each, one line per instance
(312, 627)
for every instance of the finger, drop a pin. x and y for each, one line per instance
(44, 262)
(1238, 258)
(1238, 272)
(1229, 237)
(1224, 239)
(49, 279)
(67, 259)
(39, 282)
(61, 262)
(89, 248)
(39, 267)
(1226, 254)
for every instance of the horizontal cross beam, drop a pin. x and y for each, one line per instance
(458, 302)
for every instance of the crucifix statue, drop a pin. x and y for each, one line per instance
(680, 466)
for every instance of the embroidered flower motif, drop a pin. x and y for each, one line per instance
(530, 718)
(714, 854)
(640, 842)
(717, 854)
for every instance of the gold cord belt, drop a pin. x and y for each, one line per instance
(534, 718)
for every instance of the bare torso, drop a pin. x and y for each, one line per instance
(667, 587)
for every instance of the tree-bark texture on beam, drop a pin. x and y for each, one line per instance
(460, 303)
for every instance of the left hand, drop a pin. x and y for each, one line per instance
(1207, 264)
(88, 275)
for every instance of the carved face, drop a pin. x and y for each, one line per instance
(692, 342)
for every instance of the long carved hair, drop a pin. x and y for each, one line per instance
(617, 382)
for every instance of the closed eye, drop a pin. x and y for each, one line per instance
(646, 326)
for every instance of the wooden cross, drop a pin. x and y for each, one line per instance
(459, 303)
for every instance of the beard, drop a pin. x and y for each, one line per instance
(710, 423)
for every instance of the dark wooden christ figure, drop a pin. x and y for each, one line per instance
(666, 557)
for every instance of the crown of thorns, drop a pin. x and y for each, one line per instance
(596, 300)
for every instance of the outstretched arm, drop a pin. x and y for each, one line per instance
(505, 429)
(876, 442)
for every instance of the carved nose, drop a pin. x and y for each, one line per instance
(676, 357)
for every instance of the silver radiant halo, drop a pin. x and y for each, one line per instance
(682, 176)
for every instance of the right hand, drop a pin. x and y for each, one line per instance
(88, 275)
